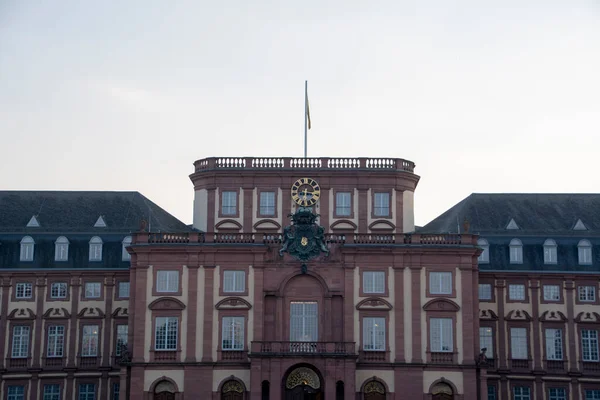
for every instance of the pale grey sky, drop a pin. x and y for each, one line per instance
(124, 95)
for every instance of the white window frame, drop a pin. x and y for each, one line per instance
(52, 391)
(554, 344)
(15, 392)
(95, 249)
(519, 344)
(592, 394)
(232, 333)
(485, 291)
(234, 281)
(56, 341)
(374, 334)
(87, 391)
(125, 256)
(121, 340)
(441, 335)
(516, 251)
(167, 281)
(27, 249)
(267, 206)
(586, 293)
(90, 341)
(517, 292)
(440, 283)
(550, 252)
(381, 204)
(374, 282)
(484, 257)
(20, 341)
(521, 393)
(24, 290)
(169, 340)
(589, 345)
(584, 250)
(229, 202)
(304, 321)
(343, 204)
(93, 290)
(486, 340)
(124, 289)
(557, 394)
(551, 292)
(61, 249)
(58, 290)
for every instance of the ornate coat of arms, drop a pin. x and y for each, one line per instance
(304, 239)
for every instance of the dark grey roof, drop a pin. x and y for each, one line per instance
(534, 213)
(78, 211)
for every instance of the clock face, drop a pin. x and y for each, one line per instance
(306, 192)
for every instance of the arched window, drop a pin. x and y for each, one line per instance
(232, 390)
(585, 252)
(265, 390)
(516, 251)
(27, 248)
(550, 254)
(484, 257)
(95, 249)
(61, 249)
(125, 256)
(374, 390)
(339, 390)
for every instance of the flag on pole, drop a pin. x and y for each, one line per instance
(307, 109)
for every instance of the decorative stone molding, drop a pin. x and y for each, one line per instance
(267, 225)
(518, 315)
(488, 315)
(441, 304)
(553, 316)
(91, 312)
(22, 314)
(233, 303)
(229, 224)
(374, 303)
(343, 224)
(587, 317)
(57, 313)
(382, 225)
(166, 304)
(120, 312)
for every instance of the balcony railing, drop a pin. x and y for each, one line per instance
(555, 365)
(165, 356)
(88, 362)
(373, 356)
(18, 362)
(590, 366)
(441, 358)
(322, 349)
(266, 163)
(519, 364)
(233, 355)
(53, 362)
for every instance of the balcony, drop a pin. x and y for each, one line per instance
(441, 357)
(303, 349)
(373, 356)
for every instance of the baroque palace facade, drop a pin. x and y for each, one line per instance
(299, 279)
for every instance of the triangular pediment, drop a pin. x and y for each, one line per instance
(512, 225)
(579, 226)
(100, 223)
(33, 222)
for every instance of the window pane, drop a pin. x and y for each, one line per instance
(233, 333)
(440, 282)
(124, 289)
(24, 290)
(51, 392)
(121, 338)
(382, 205)
(167, 281)
(486, 341)
(343, 204)
(20, 345)
(557, 394)
(441, 334)
(374, 282)
(589, 345)
(587, 293)
(56, 341)
(16, 393)
(87, 391)
(267, 203)
(89, 346)
(234, 281)
(485, 291)
(551, 292)
(92, 290)
(373, 334)
(229, 203)
(58, 290)
(518, 343)
(554, 344)
(166, 333)
(303, 322)
(516, 292)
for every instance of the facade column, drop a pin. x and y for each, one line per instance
(470, 322)
(398, 310)
(500, 296)
(40, 284)
(192, 313)
(363, 210)
(5, 288)
(572, 341)
(209, 287)
(415, 274)
(538, 366)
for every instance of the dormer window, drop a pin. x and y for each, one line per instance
(484, 257)
(550, 252)
(27, 248)
(585, 252)
(125, 256)
(61, 249)
(516, 251)
(95, 249)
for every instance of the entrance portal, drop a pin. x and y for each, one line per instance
(164, 391)
(374, 391)
(442, 391)
(303, 384)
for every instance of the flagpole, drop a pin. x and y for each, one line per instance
(305, 118)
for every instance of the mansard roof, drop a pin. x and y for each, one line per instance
(534, 213)
(78, 211)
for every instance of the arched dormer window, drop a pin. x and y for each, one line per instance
(516, 251)
(95, 249)
(27, 248)
(585, 252)
(484, 257)
(61, 249)
(550, 254)
(125, 256)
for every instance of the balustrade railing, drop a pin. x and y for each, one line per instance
(302, 348)
(441, 357)
(519, 364)
(234, 355)
(555, 365)
(53, 362)
(373, 356)
(18, 362)
(165, 356)
(87, 362)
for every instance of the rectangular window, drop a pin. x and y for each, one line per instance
(165, 337)
(87, 391)
(381, 208)
(121, 338)
(373, 334)
(516, 292)
(267, 203)
(24, 290)
(27, 251)
(521, 393)
(550, 254)
(58, 290)
(61, 252)
(374, 282)
(52, 392)
(491, 393)
(16, 393)
(551, 292)
(229, 203)
(557, 394)
(303, 321)
(554, 344)
(586, 293)
(518, 343)
(92, 290)
(486, 340)
(343, 202)
(440, 282)
(95, 251)
(89, 344)
(20, 344)
(116, 390)
(234, 281)
(592, 395)
(124, 290)
(589, 345)
(167, 281)
(56, 341)
(233, 333)
(485, 291)
(585, 255)
(441, 334)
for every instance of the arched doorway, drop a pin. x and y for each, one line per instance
(374, 390)
(303, 383)
(232, 390)
(164, 390)
(442, 391)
